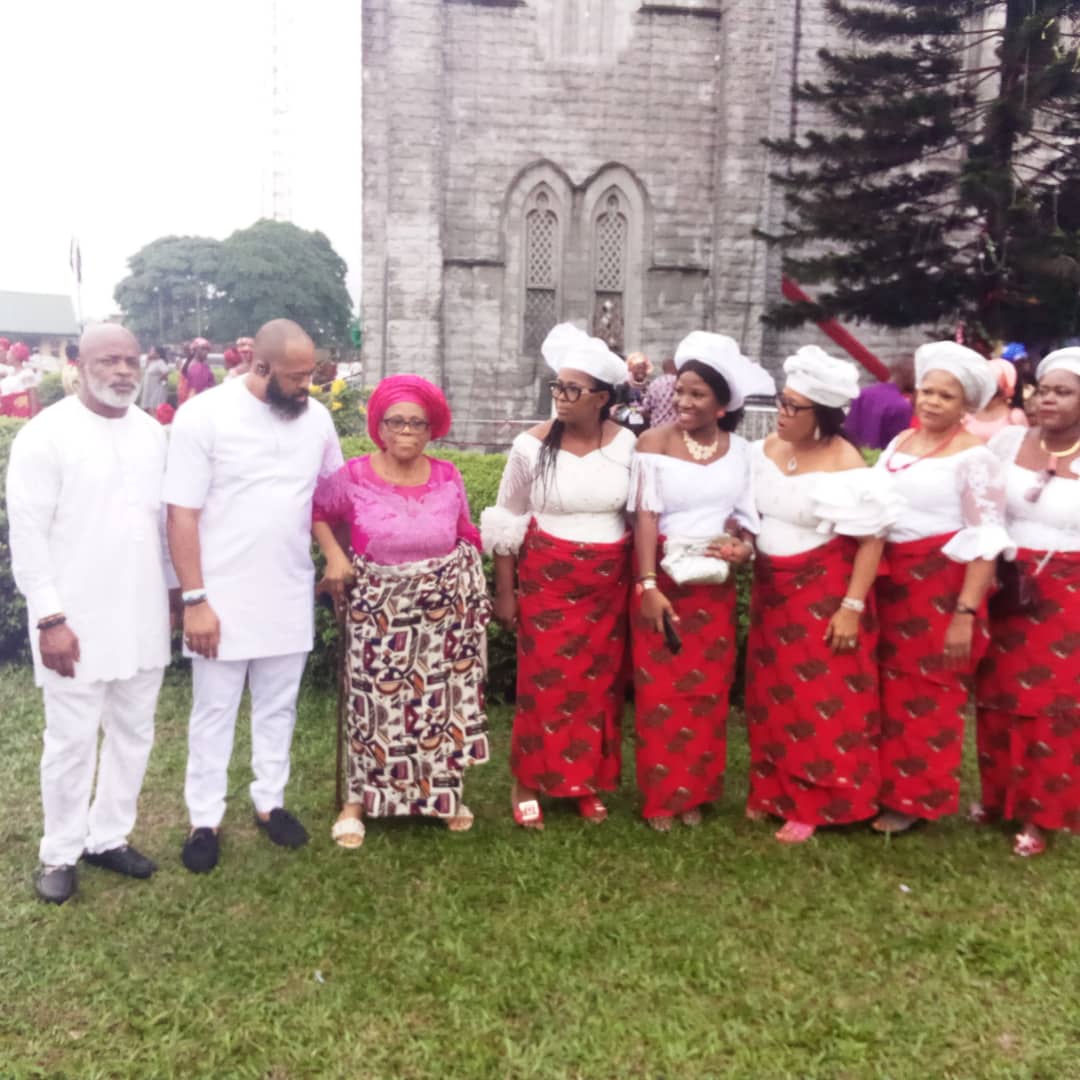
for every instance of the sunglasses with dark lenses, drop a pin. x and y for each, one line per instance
(569, 391)
(398, 424)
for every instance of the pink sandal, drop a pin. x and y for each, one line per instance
(795, 832)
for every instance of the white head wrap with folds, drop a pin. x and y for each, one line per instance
(971, 370)
(822, 378)
(721, 353)
(568, 347)
(1060, 360)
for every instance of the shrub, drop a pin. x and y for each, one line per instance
(50, 389)
(14, 643)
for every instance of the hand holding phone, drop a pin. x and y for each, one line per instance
(671, 635)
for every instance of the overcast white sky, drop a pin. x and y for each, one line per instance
(126, 120)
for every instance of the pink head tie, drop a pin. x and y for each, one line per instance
(412, 388)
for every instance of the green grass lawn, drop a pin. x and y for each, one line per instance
(586, 951)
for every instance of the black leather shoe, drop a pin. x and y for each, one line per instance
(283, 829)
(122, 860)
(55, 884)
(201, 850)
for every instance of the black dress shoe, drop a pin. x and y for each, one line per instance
(201, 850)
(55, 884)
(283, 829)
(122, 860)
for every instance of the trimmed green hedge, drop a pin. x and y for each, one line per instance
(14, 643)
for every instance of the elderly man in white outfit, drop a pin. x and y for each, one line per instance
(84, 503)
(244, 459)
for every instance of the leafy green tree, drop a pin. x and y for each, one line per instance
(946, 191)
(170, 294)
(228, 289)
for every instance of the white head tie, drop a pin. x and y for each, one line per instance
(568, 347)
(971, 370)
(822, 378)
(721, 353)
(1060, 360)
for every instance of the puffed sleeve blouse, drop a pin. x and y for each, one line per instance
(962, 493)
(693, 500)
(583, 500)
(805, 511)
(1052, 521)
(392, 524)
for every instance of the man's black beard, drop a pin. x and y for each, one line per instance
(288, 408)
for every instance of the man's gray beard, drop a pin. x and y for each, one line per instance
(104, 394)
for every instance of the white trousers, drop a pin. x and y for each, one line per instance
(217, 686)
(74, 714)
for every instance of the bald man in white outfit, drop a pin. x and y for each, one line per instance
(244, 458)
(84, 503)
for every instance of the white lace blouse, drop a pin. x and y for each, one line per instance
(962, 493)
(694, 501)
(583, 500)
(1051, 522)
(802, 512)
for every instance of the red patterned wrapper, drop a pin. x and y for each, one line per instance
(812, 715)
(572, 634)
(1028, 693)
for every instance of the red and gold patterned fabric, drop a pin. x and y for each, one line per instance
(1028, 693)
(682, 700)
(813, 716)
(572, 627)
(922, 700)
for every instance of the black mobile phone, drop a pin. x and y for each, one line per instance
(671, 635)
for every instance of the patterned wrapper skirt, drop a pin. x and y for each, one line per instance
(682, 700)
(415, 674)
(1028, 693)
(922, 700)
(572, 601)
(813, 716)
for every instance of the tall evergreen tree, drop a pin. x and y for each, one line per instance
(948, 188)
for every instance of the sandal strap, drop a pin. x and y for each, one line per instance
(527, 812)
(347, 827)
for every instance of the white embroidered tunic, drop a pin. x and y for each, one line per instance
(1049, 523)
(583, 500)
(962, 493)
(694, 501)
(805, 511)
(84, 508)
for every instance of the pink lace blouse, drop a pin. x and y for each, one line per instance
(392, 524)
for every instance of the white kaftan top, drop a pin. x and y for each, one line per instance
(252, 474)
(695, 501)
(584, 501)
(962, 493)
(1050, 523)
(805, 511)
(85, 510)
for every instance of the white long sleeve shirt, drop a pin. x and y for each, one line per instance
(252, 475)
(84, 509)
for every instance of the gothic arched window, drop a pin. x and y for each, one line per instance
(543, 261)
(611, 231)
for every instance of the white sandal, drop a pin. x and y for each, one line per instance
(463, 819)
(348, 832)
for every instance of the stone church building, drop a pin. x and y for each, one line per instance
(533, 161)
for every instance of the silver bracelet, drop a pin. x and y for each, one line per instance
(852, 604)
(193, 597)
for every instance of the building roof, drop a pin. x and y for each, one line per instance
(45, 314)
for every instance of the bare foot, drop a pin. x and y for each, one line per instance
(661, 824)
(794, 832)
(691, 817)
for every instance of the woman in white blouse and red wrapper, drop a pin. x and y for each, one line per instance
(813, 706)
(559, 525)
(693, 514)
(1028, 692)
(938, 569)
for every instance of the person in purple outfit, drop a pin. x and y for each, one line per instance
(883, 410)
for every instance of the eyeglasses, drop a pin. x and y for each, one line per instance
(570, 391)
(789, 408)
(398, 424)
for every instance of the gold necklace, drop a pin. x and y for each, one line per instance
(697, 451)
(1058, 453)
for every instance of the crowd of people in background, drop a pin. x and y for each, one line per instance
(883, 598)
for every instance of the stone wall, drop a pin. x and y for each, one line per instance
(472, 107)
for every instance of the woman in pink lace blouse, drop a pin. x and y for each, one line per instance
(417, 608)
